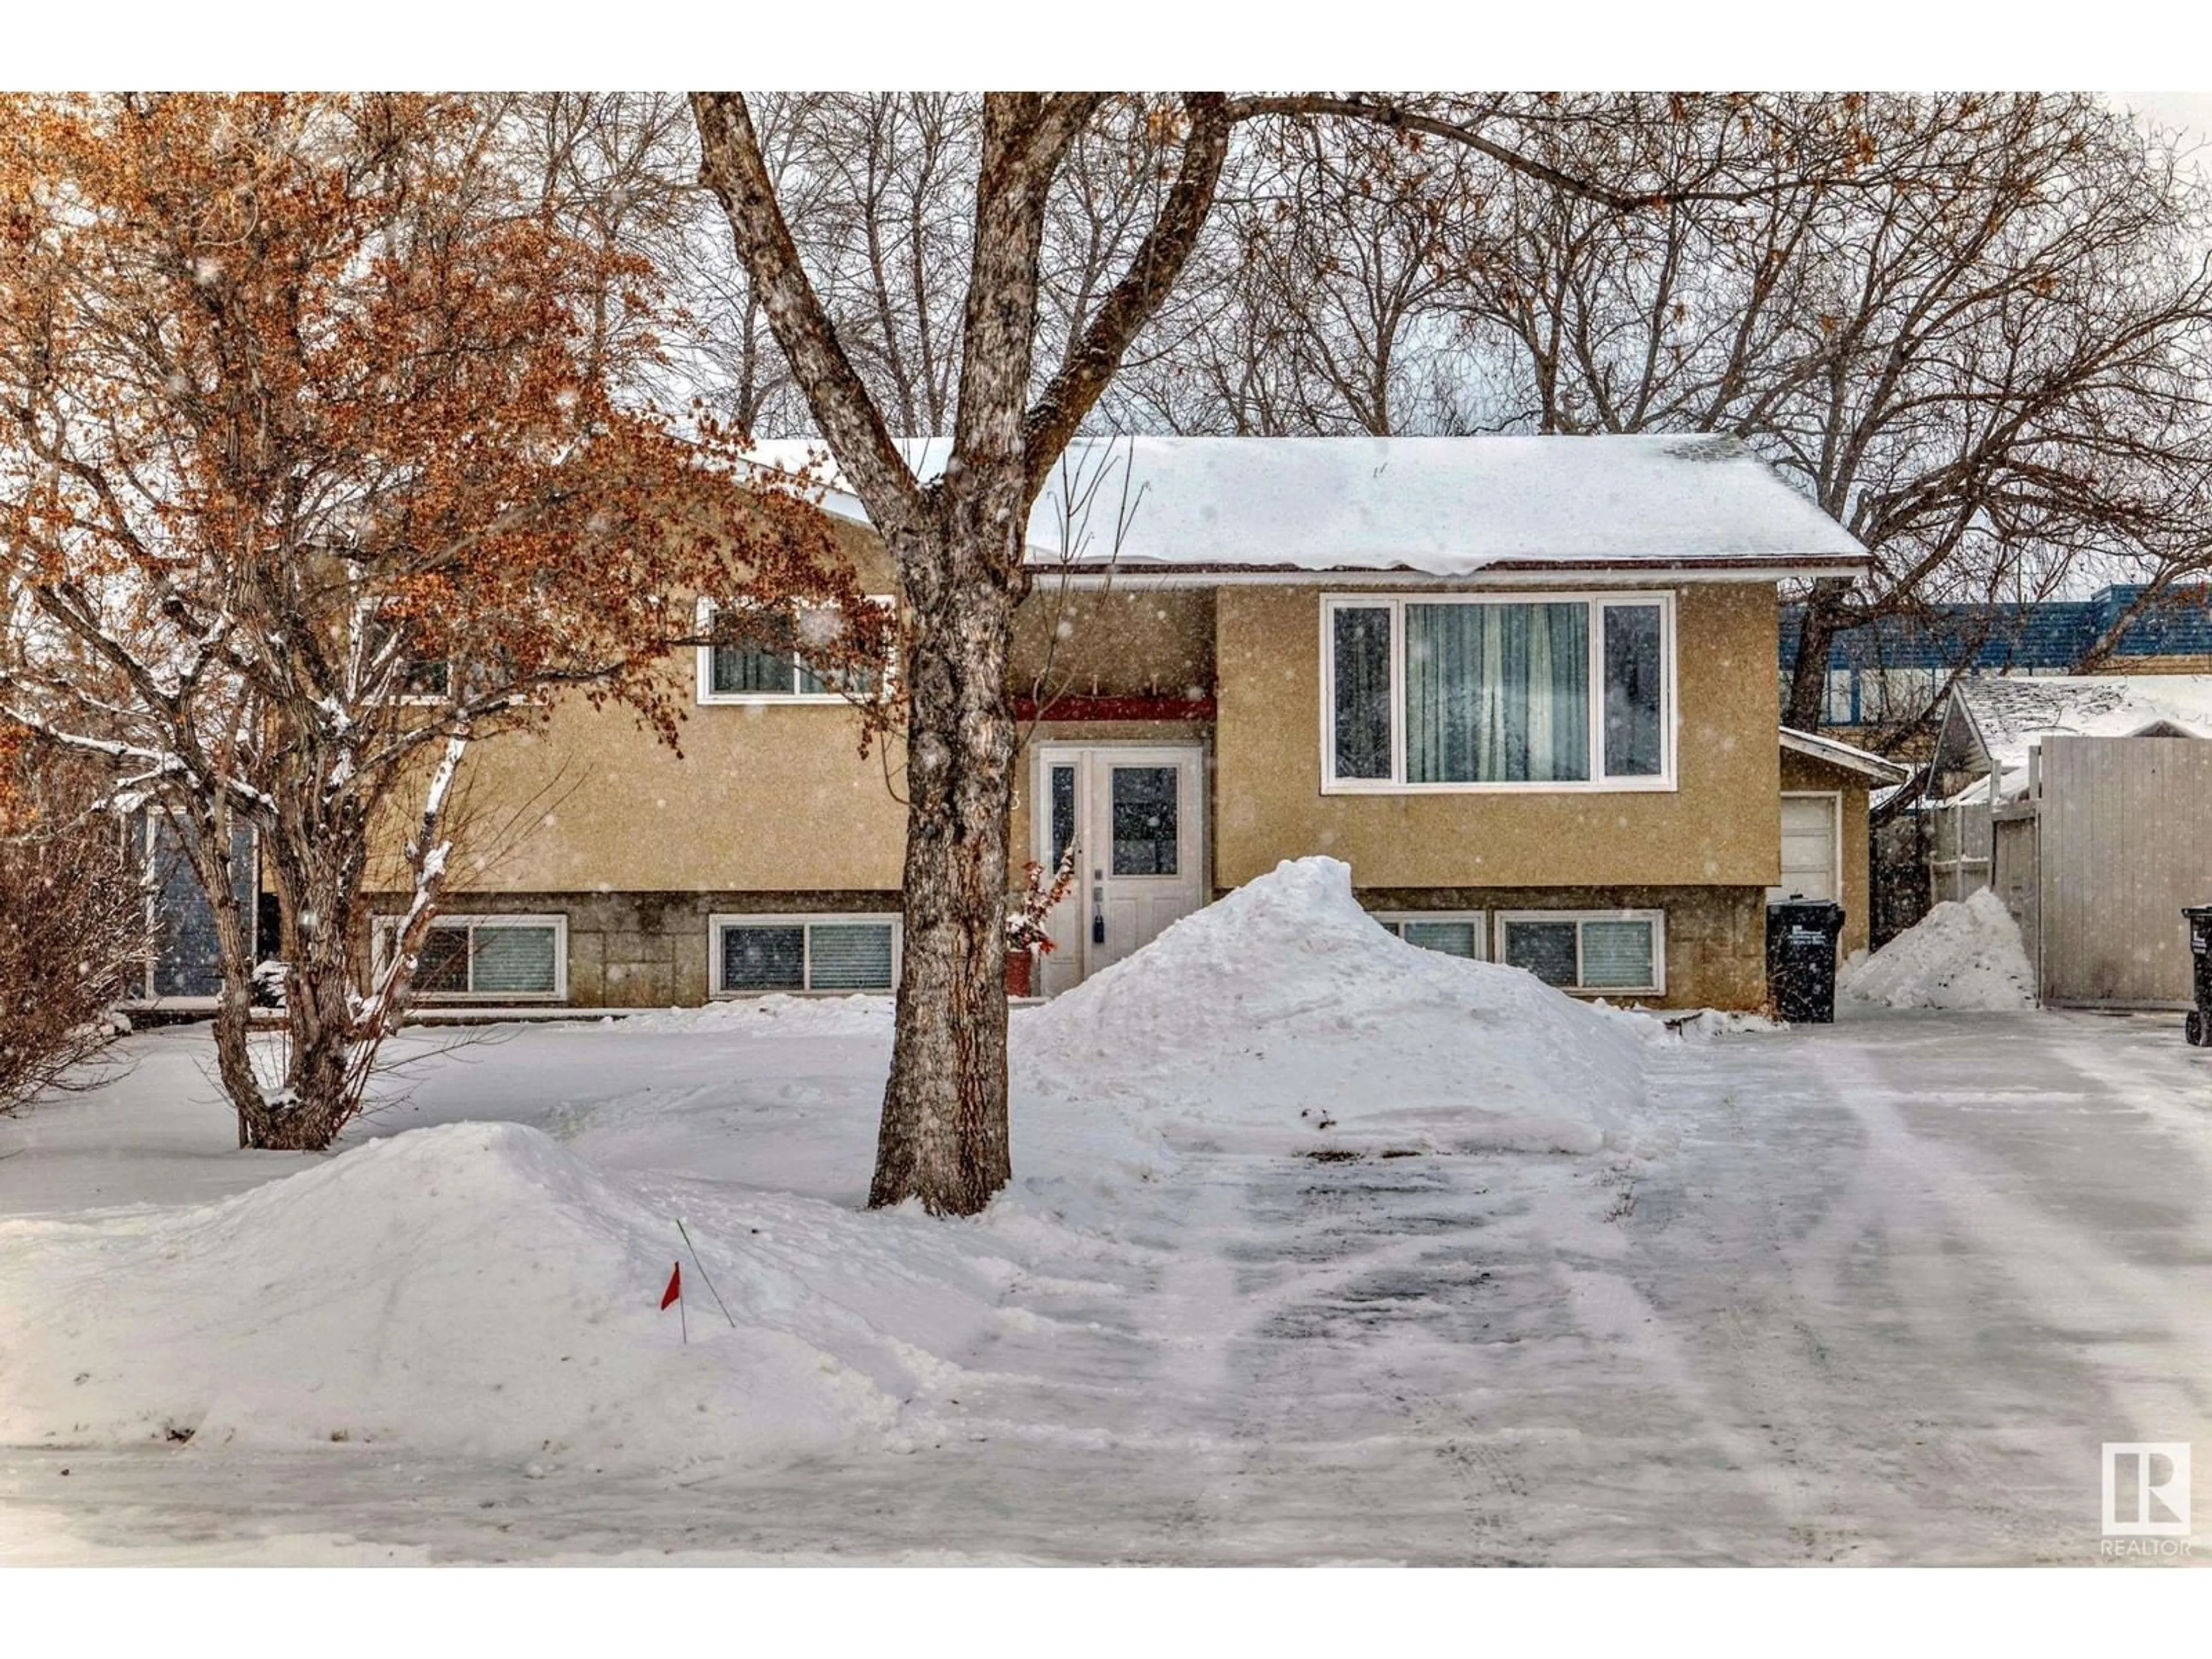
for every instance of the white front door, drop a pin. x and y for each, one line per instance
(1135, 815)
(1811, 836)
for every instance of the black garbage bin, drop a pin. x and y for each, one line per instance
(2198, 1026)
(1801, 959)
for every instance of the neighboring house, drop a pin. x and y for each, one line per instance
(186, 971)
(1897, 667)
(1522, 686)
(2082, 801)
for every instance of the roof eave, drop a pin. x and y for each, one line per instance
(1161, 573)
(1832, 753)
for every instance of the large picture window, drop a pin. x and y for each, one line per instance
(1467, 692)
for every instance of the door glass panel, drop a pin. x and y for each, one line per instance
(763, 958)
(851, 956)
(1616, 955)
(1546, 949)
(1632, 690)
(1063, 812)
(1454, 939)
(1146, 821)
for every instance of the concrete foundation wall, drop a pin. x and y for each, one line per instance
(644, 950)
(650, 949)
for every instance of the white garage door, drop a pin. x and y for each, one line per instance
(1809, 865)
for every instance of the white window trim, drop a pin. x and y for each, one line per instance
(1479, 919)
(705, 673)
(1665, 782)
(807, 920)
(1656, 918)
(387, 927)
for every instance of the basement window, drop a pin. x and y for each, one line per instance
(831, 952)
(1453, 933)
(508, 958)
(1589, 952)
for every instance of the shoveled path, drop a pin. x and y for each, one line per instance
(1882, 1299)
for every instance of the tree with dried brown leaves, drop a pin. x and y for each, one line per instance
(317, 468)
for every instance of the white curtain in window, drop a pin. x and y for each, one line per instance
(1496, 693)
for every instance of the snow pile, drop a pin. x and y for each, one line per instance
(474, 1289)
(1963, 956)
(1283, 1017)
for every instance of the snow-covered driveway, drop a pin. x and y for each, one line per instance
(1892, 1286)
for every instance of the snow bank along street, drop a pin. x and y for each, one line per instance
(1382, 1255)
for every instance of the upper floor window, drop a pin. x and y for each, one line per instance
(773, 661)
(1465, 691)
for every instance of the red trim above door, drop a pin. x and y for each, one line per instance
(1195, 710)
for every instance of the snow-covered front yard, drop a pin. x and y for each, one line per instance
(1382, 1257)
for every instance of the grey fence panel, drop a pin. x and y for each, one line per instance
(2015, 878)
(1959, 860)
(2125, 845)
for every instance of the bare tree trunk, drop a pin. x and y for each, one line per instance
(208, 848)
(959, 542)
(943, 1137)
(1809, 678)
(316, 879)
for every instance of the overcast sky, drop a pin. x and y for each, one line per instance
(2191, 110)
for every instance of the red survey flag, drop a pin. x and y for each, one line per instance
(675, 1291)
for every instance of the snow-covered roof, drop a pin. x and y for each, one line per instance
(1437, 506)
(1879, 768)
(2006, 717)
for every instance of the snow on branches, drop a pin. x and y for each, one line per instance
(318, 463)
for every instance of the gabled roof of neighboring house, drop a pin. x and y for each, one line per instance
(1879, 768)
(1994, 722)
(1416, 506)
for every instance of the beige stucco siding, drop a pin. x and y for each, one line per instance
(1718, 827)
(1802, 772)
(1076, 642)
(762, 798)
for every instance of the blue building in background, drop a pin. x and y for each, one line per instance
(1896, 668)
